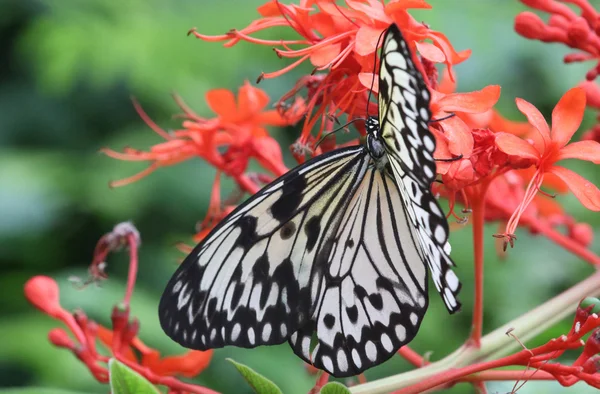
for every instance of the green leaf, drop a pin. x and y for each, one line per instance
(334, 388)
(259, 383)
(123, 380)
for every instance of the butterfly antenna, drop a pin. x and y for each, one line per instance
(336, 130)
(374, 69)
(455, 158)
(440, 119)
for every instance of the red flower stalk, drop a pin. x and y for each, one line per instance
(549, 147)
(580, 32)
(121, 339)
(239, 126)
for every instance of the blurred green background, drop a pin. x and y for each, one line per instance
(67, 71)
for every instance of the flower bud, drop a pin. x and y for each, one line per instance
(59, 337)
(42, 292)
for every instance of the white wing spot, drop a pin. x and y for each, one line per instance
(400, 332)
(177, 286)
(371, 351)
(327, 363)
(427, 140)
(266, 334)
(251, 337)
(306, 347)
(414, 319)
(283, 330)
(447, 248)
(235, 332)
(440, 234)
(386, 342)
(342, 360)
(356, 358)
(452, 280)
(213, 334)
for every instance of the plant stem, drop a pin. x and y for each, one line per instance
(133, 265)
(478, 221)
(495, 343)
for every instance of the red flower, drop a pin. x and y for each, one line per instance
(455, 133)
(343, 41)
(121, 340)
(564, 25)
(239, 126)
(549, 147)
(189, 364)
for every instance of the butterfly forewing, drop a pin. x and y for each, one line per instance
(253, 280)
(403, 116)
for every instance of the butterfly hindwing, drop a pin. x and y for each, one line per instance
(403, 116)
(375, 288)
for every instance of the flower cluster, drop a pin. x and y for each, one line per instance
(121, 341)
(340, 41)
(579, 32)
(495, 168)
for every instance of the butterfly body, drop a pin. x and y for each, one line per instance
(332, 257)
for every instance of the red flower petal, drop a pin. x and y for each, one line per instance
(374, 9)
(366, 40)
(222, 102)
(325, 55)
(567, 116)
(515, 146)
(582, 150)
(270, 8)
(404, 5)
(43, 293)
(473, 102)
(251, 100)
(585, 191)
(535, 118)
(189, 364)
(369, 81)
(460, 139)
(431, 52)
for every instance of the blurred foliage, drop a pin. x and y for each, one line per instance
(67, 70)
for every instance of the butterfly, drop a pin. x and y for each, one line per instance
(333, 256)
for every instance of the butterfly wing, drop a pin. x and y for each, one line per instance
(403, 116)
(257, 276)
(374, 292)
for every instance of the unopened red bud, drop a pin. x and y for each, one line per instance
(529, 25)
(582, 233)
(578, 31)
(592, 93)
(59, 337)
(42, 292)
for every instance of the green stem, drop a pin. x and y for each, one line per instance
(495, 343)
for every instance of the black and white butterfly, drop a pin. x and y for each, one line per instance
(331, 257)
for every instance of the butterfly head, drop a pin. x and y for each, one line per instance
(374, 143)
